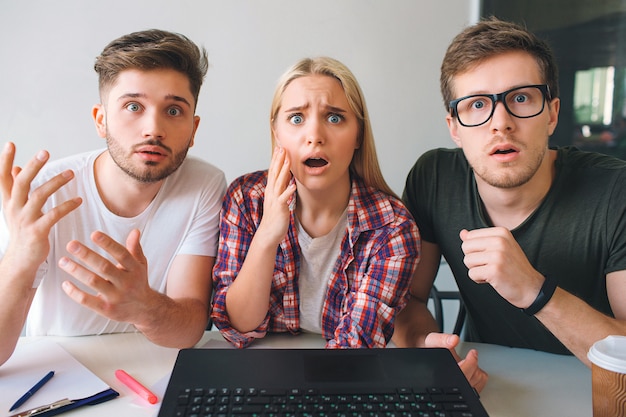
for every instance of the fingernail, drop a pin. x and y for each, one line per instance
(73, 247)
(42, 155)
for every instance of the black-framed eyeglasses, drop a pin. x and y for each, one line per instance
(522, 102)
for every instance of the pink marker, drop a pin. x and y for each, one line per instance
(133, 384)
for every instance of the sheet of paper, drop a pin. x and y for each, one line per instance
(30, 362)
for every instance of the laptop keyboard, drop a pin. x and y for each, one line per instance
(240, 402)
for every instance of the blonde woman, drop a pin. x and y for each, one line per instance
(318, 242)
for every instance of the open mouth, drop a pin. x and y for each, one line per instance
(503, 151)
(152, 148)
(316, 162)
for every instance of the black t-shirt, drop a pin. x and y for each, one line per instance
(577, 235)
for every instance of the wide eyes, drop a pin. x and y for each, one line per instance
(134, 107)
(520, 98)
(332, 118)
(296, 119)
(174, 111)
(478, 104)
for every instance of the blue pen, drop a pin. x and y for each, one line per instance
(33, 390)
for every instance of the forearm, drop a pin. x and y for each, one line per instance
(12, 317)
(177, 323)
(17, 294)
(248, 298)
(576, 324)
(413, 324)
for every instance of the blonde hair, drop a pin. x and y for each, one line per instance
(364, 164)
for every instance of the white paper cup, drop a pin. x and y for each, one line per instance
(608, 376)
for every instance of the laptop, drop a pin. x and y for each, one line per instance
(319, 382)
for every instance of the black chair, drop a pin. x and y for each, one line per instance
(438, 297)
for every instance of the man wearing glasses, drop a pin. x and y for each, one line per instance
(535, 236)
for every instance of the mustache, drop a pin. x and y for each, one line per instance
(496, 140)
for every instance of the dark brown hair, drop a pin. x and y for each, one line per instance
(492, 37)
(152, 49)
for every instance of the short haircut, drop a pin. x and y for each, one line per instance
(149, 50)
(488, 38)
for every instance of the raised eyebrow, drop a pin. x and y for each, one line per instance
(332, 109)
(178, 98)
(295, 109)
(485, 93)
(478, 94)
(131, 95)
(172, 97)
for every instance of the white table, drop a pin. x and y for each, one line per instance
(521, 383)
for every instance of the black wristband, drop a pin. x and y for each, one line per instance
(545, 293)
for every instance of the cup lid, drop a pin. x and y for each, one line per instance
(609, 353)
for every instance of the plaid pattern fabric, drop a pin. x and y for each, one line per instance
(369, 284)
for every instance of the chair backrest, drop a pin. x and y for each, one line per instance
(437, 298)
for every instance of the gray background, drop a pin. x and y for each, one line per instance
(394, 47)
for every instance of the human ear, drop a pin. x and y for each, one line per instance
(196, 123)
(453, 128)
(275, 136)
(553, 111)
(100, 120)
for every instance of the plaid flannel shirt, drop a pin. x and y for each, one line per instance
(369, 284)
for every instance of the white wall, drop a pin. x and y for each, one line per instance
(395, 47)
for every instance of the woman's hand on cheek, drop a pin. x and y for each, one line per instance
(279, 193)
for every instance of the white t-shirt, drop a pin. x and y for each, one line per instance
(183, 218)
(317, 263)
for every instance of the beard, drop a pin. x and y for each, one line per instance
(148, 172)
(511, 175)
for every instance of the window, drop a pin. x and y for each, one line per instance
(593, 96)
